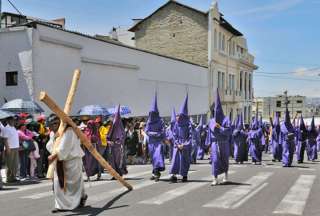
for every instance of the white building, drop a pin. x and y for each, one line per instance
(231, 66)
(270, 106)
(39, 56)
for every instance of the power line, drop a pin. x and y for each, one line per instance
(288, 78)
(286, 62)
(14, 7)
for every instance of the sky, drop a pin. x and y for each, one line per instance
(283, 35)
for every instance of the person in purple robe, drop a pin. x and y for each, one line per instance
(169, 133)
(91, 165)
(155, 131)
(318, 139)
(254, 140)
(301, 138)
(116, 141)
(231, 141)
(182, 136)
(287, 140)
(240, 142)
(312, 142)
(194, 143)
(220, 132)
(264, 133)
(276, 140)
(202, 130)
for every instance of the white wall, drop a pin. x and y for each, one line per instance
(116, 74)
(13, 43)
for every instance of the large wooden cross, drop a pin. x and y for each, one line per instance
(66, 120)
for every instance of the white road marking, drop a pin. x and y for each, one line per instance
(307, 169)
(295, 200)
(105, 195)
(273, 166)
(27, 187)
(87, 185)
(234, 196)
(180, 191)
(242, 201)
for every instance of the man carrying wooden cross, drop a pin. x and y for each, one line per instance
(68, 181)
(66, 154)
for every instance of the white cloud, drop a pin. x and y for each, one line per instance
(279, 6)
(309, 72)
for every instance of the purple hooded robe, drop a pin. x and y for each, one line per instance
(202, 142)
(91, 165)
(276, 139)
(254, 140)
(169, 133)
(240, 142)
(219, 140)
(182, 135)
(312, 142)
(301, 140)
(117, 136)
(287, 140)
(156, 135)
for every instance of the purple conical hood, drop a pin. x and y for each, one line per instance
(218, 111)
(173, 116)
(154, 115)
(255, 123)
(201, 121)
(117, 131)
(276, 121)
(154, 105)
(287, 121)
(302, 125)
(260, 122)
(184, 107)
(240, 122)
(313, 125)
(154, 123)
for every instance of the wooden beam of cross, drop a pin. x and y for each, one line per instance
(83, 138)
(62, 126)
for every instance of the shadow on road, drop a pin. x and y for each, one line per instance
(93, 211)
(8, 189)
(21, 183)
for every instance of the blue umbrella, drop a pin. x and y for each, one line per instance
(124, 110)
(22, 106)
(6, 114)
(93, 110)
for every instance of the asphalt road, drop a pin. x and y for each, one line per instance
(253, 190)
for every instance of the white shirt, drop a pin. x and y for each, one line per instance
(11, 134)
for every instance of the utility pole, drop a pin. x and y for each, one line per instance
(0, 14)
(286, 99)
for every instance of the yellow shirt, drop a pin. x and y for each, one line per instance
(103, 134)
(42, 129)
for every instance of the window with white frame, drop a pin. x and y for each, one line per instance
(241, 81)
(222, 81)
(223, 42)
(215, 39)
(219, 80)
(220, 41)
(233, 48)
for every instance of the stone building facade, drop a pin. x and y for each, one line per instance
(175, 30)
